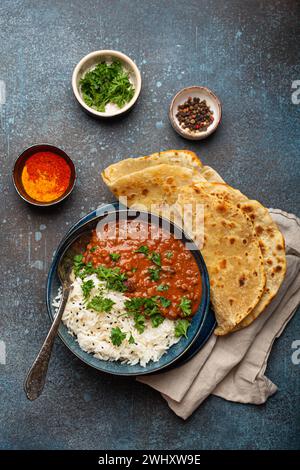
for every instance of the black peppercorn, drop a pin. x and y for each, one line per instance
(194, 115)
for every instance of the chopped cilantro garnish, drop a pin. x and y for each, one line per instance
(80, 268)
(150, 306)
(113, 277)
(117, 336)
(162, 287)
(134, 270)
(115, 256)
(106, 83)
(140, 307)
(155, 258)
(93, 249)
(131, 339)
(156, 320)
(78, 264)
(134, 304)
(169, 254)
(100, 304)
(86, 287)
(143, 249)
(115, 280)
(154, 274)
(133, 307)
(185, 306)
(87, 270)
(181, 327)
(139, 322)
(165, 302)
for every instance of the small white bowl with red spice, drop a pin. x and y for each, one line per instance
(195, 112)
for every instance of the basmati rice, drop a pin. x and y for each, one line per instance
(93, 329)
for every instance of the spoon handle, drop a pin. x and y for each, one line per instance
(35, 380)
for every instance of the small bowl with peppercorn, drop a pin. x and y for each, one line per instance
(106, 83)
(195, 112)
(44, 175)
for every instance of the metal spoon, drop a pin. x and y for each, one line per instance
(77, 242)
(35, 380)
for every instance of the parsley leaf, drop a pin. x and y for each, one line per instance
(117, 336)
(100, 304)
(86, 288)
(181, 328)
(115, 256)
(151, 307)
(87, 270)
(80, 268)
(106, 83)
(185, 306)
(155, 258)
(134, 304)
(156, 320)
(141, 307)
(113, 277)
(169, 254)
(93, 249)
(165, 302)
(115, 280)
(133, 307)
(78, 264)
(162, 287)
(131, 339)
(143, 249)
(154, 274)
(139, 322)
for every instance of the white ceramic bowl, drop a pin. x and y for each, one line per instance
(204, 94)
(89, 62)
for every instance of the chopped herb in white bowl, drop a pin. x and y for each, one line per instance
(106, 83)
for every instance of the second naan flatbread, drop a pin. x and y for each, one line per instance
(270, 239)
(231, 252)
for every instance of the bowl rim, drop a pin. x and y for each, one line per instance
(87, 358)
(124, 58)
(53, 148)
(200, 135)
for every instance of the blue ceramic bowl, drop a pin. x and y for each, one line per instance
(176, 351)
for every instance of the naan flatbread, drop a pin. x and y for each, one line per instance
(154, 185)
(232, 255)
(183, 158)
(271, 243)
(179, 177)
(236, 271)
(210, 174)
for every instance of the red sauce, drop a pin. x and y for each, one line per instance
(178, 269)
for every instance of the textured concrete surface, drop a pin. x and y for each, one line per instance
(248, 53)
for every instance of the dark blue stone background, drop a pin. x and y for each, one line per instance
(248, 53)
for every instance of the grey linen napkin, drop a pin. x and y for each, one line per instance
(233, 367)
